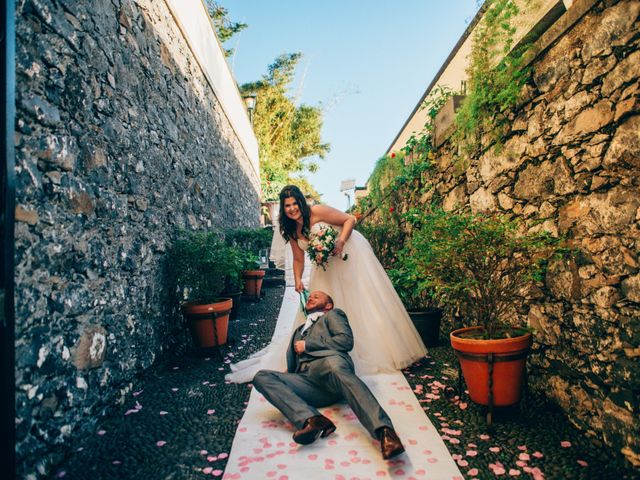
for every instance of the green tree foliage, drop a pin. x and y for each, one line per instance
(289, 135)
(225, 28)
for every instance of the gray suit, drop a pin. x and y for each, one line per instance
(322, 375)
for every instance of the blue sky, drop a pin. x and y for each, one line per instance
(369, 61)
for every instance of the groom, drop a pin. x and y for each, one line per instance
(319, 373)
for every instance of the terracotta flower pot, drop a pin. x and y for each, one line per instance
(253, 282)
(208, 323)
(510, 356)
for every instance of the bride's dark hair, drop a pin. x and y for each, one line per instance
(288, 226)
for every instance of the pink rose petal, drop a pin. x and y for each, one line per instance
(537, 454)
(207, 470)
(162, 412)
(565, 444)
(524, 457)
(161, 443)
(222, 455)
(513, 472)
(582, 463)
(211, 411)
(101, 432)
(473, 472)
(494, 449)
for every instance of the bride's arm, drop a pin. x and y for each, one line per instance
(324, 213)
(298, 265)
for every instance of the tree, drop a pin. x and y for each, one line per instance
(289, 136)
(225, 28)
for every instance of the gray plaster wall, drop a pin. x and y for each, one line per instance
(119, 142)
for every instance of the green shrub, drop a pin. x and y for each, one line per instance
(199, 263)
(478, 266)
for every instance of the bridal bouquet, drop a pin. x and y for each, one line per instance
(321, 244)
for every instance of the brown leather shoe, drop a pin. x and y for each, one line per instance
(390, 444)
(314, 427)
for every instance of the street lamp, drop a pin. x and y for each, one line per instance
(250, 103)
(345, 186)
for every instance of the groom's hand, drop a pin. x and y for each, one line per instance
(299, 346)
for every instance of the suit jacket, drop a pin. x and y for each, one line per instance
(329, 335)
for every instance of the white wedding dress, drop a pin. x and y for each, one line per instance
(385, 338)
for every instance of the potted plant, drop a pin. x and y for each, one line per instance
(239, 262)
(480, 267)
(253, 241)
(199, 263)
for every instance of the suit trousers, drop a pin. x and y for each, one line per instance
(322, 382)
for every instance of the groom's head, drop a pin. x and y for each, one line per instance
(318, 301)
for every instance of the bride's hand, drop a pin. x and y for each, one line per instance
(338, 248)
(299, 286)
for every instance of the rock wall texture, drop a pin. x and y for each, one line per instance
(571, 166)
(119, 141)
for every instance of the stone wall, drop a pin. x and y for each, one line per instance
(119, 141)
(571, 166)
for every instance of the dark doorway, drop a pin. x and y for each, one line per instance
(7, 211)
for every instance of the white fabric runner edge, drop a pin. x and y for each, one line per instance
(263, 448)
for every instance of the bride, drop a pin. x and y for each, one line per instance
(385, 338)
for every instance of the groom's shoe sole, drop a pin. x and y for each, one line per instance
(328, 431)
(314, 428)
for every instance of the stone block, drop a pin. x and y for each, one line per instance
(454, 199)
(605, 297)
(576, 103)
(90, 349)
(563, 281)
(627, 71)
(600, 212)
(491, 165)
(615, 22)
(29, 217)
(589, 121)
(624, 149)
(630, 288)
(596, 68)
(482, 201)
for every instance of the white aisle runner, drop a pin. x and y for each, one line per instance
(263, 448)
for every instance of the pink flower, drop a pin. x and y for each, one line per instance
(565, 444)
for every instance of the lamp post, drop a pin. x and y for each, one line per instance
(346, 186)
(250, 103)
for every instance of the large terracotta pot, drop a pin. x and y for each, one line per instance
(208, 323)
(427, 324)
(509, 363)
(253, 282)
